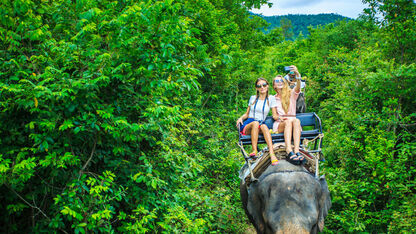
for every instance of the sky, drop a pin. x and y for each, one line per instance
(349, 8)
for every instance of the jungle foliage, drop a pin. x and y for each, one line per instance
(119, 116)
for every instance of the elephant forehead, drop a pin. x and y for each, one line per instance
(290, 200)
(285, 187)
(290, 181)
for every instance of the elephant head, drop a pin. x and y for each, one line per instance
(286, 199)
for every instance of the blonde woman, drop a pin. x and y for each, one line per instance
(287, 121)
(257, 111)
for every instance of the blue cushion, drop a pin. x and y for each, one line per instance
(306, 119)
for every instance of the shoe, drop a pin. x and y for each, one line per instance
(301, 158)
(275, 161)
(292, 158)
(252, 154)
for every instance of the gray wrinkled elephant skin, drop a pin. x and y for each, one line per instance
(286, 199)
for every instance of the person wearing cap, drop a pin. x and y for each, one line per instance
(292, 76)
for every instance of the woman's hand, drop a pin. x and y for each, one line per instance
(239, 121)
(295, 70)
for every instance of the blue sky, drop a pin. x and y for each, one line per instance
(349, 8)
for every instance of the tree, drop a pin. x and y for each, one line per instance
(103, 114)
(397, 19)
(286, 26)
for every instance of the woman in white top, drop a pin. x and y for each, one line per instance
(257, 111)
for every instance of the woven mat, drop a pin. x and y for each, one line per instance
(263, 162)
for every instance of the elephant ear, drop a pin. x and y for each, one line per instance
(324, 203)
(244, 200)
(243, 194)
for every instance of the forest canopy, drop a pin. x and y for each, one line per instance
(298, 24)
(119, 116)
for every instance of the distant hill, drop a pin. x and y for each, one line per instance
(300, 23)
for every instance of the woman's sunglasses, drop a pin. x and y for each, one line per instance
(278, 80)
(259, 85)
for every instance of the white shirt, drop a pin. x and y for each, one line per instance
(256, 110)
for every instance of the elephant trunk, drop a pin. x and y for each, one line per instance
(289, 228)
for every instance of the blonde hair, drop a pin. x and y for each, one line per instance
(285, 94)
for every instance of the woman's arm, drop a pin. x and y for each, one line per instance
(297, 76)
(274, 113)
(243, 117)
(297, 88)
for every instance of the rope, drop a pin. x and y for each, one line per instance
(242, 150)
(306, 141)
(316, 156)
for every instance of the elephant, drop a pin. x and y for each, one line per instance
(301, 104)
(286, 198)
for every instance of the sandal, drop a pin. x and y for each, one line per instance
(252, 154)
(301, 158)
(292, 158)
(275, 161)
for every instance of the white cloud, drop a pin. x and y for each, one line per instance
(349, 8)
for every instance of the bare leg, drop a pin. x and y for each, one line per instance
(268, 138)
(296, 134)
(288, 135)
(254, 127)
(282, 126)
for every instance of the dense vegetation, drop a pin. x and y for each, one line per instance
(298, 24)
(119, 116)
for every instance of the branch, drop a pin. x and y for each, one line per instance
(29, 204)
(407, 125)
(209, 95)
(32, 206)
(88, 161)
